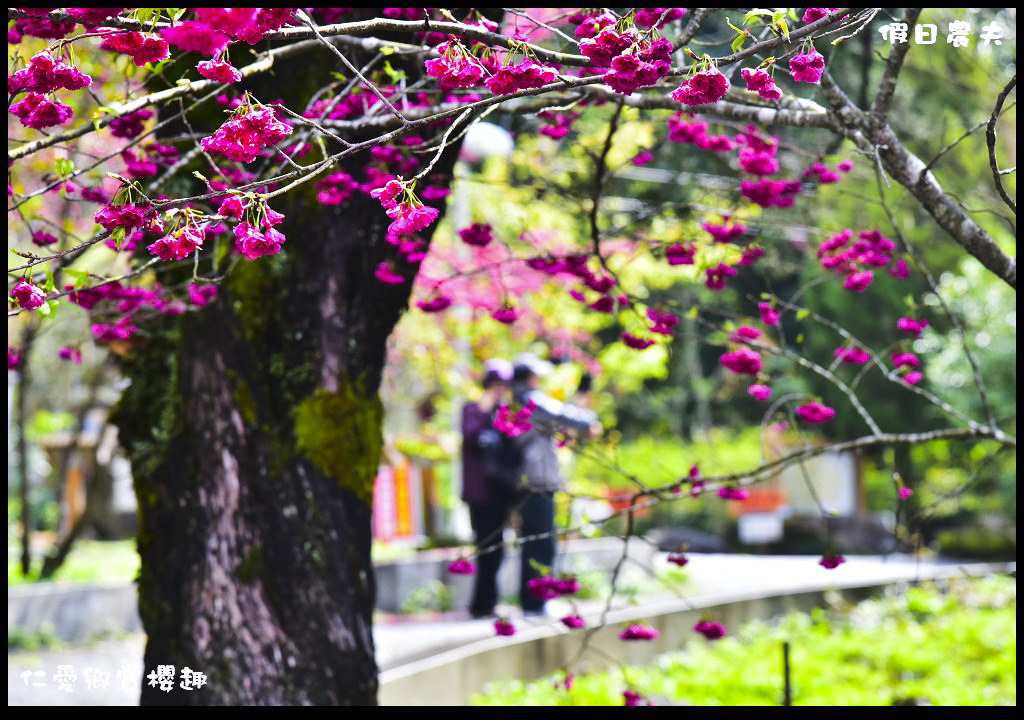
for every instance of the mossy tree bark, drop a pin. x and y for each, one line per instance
(254, 431)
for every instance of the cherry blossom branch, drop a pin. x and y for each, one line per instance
(950, 316)
(259, 66)
(352, 68)
(990, 139)
(891, 73)
(908, 170)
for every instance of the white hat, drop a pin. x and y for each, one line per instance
(534, 364)
(502, 369)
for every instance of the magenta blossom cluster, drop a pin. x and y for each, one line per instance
(758, 154)
(502, 626)
(14, 357)
(127, 216)
(663, 323)
(826, 176)
(200, 295)
(814, 14)
(548, 587)
(36, 112)
(728, 492)
(69, 353)
(506, 314)
(702, 88)
(815, 413)
(807, 67)
(244, 136)
(435, 304)
(852, 355)
(589, 22)
(725, 233)
(912, 326)
(27, 295)
(260, 239)
(678, 558)
(680, 130)
(769, 315)
(130, 126)
(716, 276)
(46, 74)
(43, 238)
(142, 48)
(557, 125)
(524, 76)
(679, 254)
(336, 188)
(771, 193)
(760, 392)
(830, 561)
(696, 481)
(632, 699)
(710, 629)
(477, 234)
(872, 249)
(462, 566)
(196, 36)
(573, 622)
(638, 631)
(634, 62)
(750, 255)
(742, 361)
(513, 425)
(745, 334)
(179, 244)
(761, 82)
(219, 71)
(249, 25)
(456, 68)
(121, 330)
(637, 343)
(652, 17)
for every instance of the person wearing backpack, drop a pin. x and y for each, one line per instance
(491, 472)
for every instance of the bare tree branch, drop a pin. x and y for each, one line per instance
(990, 138)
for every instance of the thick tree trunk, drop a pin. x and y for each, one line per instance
(254, 431)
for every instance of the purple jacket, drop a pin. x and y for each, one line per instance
(476, 489)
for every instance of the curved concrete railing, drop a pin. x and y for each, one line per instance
(452, 676)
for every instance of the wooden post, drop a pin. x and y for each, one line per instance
(787, 691)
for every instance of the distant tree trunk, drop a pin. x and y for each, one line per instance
(254, 431)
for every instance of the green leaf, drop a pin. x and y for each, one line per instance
(80, 277)
(200, 176)
(48, 286)
(118, 236)
(692, 312)
(395, 76)
(751, 16)
(802, 313)
(738, 42)
(49, 308)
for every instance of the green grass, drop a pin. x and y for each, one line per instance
(957, 647)
(89, 561)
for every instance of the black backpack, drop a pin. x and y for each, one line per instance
(502, 459)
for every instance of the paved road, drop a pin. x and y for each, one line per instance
(399, 640)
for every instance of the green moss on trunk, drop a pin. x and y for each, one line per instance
(340, 432)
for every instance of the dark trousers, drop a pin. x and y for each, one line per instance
(487, 521)
(537, 510)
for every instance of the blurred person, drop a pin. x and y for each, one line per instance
(540, 467)
(491, 470)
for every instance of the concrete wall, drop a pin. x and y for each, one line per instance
(451, 677)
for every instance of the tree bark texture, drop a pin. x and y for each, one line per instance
(254, 430)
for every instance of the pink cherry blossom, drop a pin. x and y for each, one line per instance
(807, 67)
(815, 413)
(27, 295)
